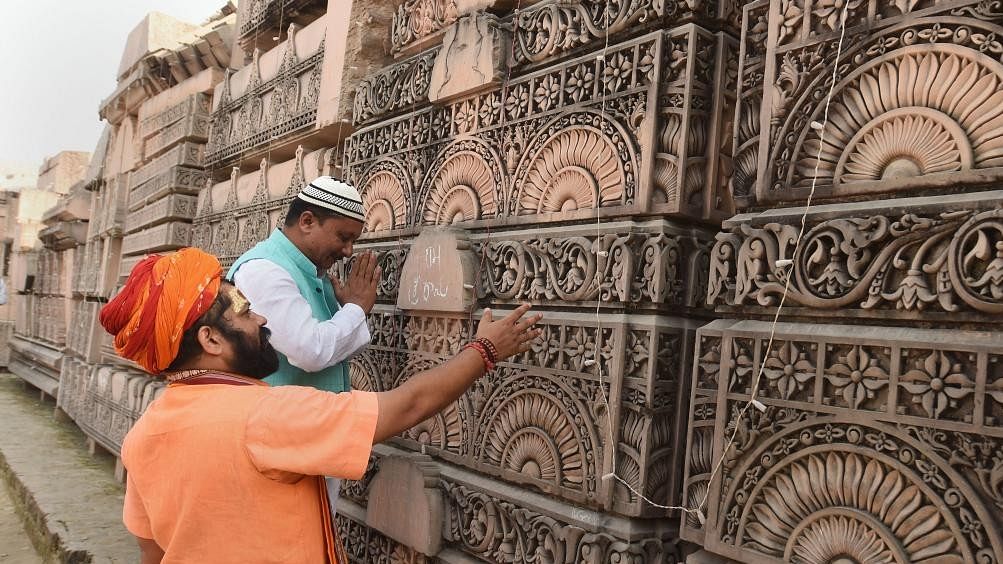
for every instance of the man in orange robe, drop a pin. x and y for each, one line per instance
(223, 468)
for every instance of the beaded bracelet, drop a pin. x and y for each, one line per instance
(489, 364)
(490, 347)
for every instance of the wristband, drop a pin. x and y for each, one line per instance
(490, 347)
(489, 364)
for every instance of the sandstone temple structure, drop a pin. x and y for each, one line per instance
(767, 238)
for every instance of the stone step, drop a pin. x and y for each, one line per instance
(71, 501)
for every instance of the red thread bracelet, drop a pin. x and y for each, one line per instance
(489, 365)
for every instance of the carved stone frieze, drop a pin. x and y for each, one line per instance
(933, 257)
(548, 30)
(871, 445)
(397, 88)
(891, 123)
(196, 104)
(364, 545)
(416, 21)
(500, 530)
(273, 97)
(163, 237)
(559, 141)
(105, 401)
(235, 214)
(544, 419)
(172, 208)
(258, 20)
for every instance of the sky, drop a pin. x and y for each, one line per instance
(58, 60)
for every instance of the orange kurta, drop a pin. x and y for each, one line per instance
(221, 473)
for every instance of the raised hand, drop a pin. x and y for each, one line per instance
(360, 287)
(512, 334)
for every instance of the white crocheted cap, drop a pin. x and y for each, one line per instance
(333, 194)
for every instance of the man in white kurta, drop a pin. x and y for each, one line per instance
(317, 322)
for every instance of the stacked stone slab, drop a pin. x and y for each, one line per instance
(144, 191)
(581, 151)
(879, 434)
(41, 268)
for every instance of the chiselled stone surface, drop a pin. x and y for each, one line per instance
(410, 482)
(884, 415)
(874, 431)
(438, 274)
(892, 123)
(274, 96)
(470, 60)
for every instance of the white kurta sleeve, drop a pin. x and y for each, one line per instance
(309, 344)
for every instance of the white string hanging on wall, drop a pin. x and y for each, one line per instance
(787, 265)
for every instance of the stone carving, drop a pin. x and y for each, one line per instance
(267, 108)
(365, 545)
(948, 262)
(891, 125)
(865, 471)
(633, 267)
(399, 87)
(415, 20)
(574, 167)
(567, 138)
(498, 530)
(470, 60)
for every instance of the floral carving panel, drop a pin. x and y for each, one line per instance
(557, 142)
(545, 419)
(889, 460)
(921, 263)
(914, 99)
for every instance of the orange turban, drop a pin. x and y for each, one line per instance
(163, 296)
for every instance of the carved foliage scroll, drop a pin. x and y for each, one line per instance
(943, 262)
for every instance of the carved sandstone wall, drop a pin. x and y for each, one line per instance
(880, 438)
(524, 128)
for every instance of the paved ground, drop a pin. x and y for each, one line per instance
(71, 500)
(15, 547)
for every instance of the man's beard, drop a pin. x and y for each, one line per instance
(256, 360)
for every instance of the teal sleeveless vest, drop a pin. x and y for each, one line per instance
(318, 292)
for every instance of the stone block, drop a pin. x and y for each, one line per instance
(166, 236)
(438, 274)
(843, 404)
(175, 207)
(405, 503)
(471, 60)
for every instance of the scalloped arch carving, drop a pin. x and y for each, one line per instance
(823, 507)
(446, 430)
(530, 433)
(831, 489)
(576, 167)
(462, 189)
(384, 196)
(930, 109)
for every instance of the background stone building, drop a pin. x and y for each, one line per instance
(657, 178)
(37, 274)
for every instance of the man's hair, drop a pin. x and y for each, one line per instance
(298, 206)
(213, 317)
